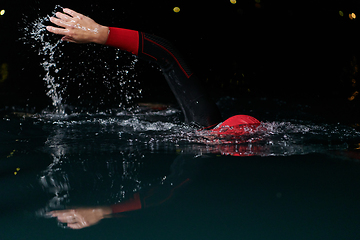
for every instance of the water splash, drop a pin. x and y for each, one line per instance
(164, 130)
(35, 33)
(287, 139)
(54, 90)
(81, 77)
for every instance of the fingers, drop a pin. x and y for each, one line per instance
(62, 213)
(75, 226)
(60, 31)
(68, 39)
(66, 22)
(72, 12)
(65, 216)
(63, 20)
(60, 22)
(63, 17)
(69, 217)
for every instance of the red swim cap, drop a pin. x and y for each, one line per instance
(237, 125)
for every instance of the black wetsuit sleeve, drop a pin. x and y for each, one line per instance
(195, 103)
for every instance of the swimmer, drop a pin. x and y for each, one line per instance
(197, 107)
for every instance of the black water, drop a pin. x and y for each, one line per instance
(294, 179)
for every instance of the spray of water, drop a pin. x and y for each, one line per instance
(78, 76)
(35, 34)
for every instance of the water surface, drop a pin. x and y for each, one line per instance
(290, 180)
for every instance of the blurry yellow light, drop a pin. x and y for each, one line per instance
(341, 13)
(2, 12)
(233, 1)
(17, 170)
(352, 16)
(11, 154)
(176, 9)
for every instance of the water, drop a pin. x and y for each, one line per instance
(296, 177)
(289, 180)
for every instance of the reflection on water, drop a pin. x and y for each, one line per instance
(110, 159)
(116, 149)
(54, 179)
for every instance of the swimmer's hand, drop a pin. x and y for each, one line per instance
(78, 28)
(81, 217)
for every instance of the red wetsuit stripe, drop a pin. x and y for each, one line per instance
(130, 205)
(124, 39)
(169, 52)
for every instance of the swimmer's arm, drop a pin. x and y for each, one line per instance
(77, 218)
(78, 28)
(81, 217)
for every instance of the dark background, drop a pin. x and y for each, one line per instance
(297, 51)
